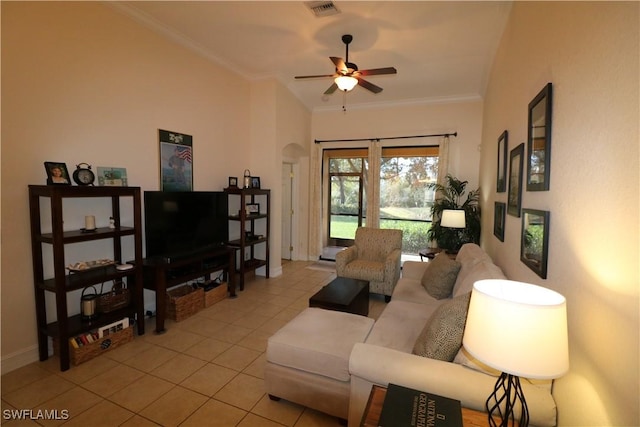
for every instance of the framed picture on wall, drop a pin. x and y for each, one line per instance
(499, 216)
(534, 245)
(503, 143)
(176, 161)
(514, 198)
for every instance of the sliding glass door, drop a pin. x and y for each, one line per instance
(347, 177)
(403, 201)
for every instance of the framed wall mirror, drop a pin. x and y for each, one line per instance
(534, 246)
(539, 141)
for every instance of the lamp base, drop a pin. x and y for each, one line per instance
(502, 404)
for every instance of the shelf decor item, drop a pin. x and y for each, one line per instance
(118, 297)
(57, 173)
(233, 182)
(88, 303)
(112, 177)
(83, 175)
(252, 208)
(255, 182)
(176, 161)
(246, 182)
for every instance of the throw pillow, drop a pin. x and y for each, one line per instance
(441, 337)
(439, 278)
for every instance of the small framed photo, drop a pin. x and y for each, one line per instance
(534, 246)
(514, 197)
(233, 182)
(112, 177)
(499, 219)
(255, 182)
(57, 173)
(503, 142)
(252, 208)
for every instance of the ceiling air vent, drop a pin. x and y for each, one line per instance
(322, 8)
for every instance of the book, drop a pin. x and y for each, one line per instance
(113, 327)
(406, 407)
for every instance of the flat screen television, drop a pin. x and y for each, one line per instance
(184, 223)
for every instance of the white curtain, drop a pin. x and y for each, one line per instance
(443, 161)
(373, 187)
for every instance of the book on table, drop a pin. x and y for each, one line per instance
(406, 407)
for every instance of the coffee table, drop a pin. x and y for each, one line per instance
(343, 294)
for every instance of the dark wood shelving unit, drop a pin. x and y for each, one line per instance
(249, 223)
(68, 326)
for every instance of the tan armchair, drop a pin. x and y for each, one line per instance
(375, 257)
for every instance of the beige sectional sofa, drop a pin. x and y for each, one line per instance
(386, 356)
(330, 360)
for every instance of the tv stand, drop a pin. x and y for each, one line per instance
(162, 273)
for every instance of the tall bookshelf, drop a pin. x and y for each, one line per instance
(61, 283)
(254, 228)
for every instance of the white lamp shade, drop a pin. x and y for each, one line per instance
(518, 328)
(453, 218)
(346, 83)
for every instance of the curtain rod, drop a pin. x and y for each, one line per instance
(318, 141)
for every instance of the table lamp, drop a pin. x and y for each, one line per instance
(453, 218)
(521, 330)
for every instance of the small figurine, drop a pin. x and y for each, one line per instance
(112, 222)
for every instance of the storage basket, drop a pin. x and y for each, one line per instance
(184, 302)
(215, 295)
(118, 297)
(101, 345)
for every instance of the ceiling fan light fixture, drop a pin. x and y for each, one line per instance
(346, 83)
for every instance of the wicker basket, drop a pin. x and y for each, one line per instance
(184, 302)
(102, 345)
(215, 295)
(118, 297)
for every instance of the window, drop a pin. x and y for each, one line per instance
(405, 196)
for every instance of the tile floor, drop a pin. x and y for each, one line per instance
(204, 371)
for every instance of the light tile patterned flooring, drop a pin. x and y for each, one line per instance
(204, 371)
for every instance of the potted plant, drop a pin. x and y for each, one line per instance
(451, 196)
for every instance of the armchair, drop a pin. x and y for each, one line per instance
(374, 257)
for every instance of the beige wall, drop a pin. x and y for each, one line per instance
(83, 83)
(589, 51)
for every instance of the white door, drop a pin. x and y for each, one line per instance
(287, 210)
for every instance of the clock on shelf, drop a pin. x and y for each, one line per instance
(83, 175)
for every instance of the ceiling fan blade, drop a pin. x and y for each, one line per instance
(331, 89)
(378, 71)
(369, 86)
(314, 77)
(341, 66)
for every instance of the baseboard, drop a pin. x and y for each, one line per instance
(21, 358)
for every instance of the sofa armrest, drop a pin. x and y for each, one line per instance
(344, 257)
(392, 265)
(371, 364)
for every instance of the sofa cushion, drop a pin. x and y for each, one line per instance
(440, 277)
(470, 273)
(371, 271)
(441, 337)
(319, 342)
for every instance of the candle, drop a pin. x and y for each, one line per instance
(90, 222)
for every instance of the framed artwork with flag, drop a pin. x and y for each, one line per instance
(176, 161)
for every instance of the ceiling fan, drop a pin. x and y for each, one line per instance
(347, 75)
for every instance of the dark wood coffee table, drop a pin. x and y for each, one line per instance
(343, 294)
